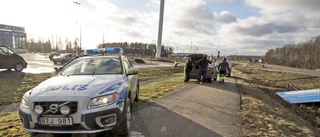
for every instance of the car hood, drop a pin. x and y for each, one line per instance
(78, 86)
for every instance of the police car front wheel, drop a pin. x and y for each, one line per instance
(137, 94)
(124, 127)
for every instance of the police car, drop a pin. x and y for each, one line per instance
(89, 94)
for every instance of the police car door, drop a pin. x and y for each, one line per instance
(132, 79)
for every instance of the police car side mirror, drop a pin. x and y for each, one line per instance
(132, 71)
(57, 70)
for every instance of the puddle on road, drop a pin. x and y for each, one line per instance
(40, 57)
(40, 63)
(135, 134)
(38, 70)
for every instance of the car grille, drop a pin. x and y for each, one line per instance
(46, 106)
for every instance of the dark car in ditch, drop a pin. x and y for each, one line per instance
(194, 74)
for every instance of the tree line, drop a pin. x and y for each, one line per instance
(303, 55)
(46, 46)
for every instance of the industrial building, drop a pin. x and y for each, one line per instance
(13, 37)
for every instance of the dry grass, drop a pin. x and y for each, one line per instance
(11, 126)
(156, 90)
(14, 85)
(154, 73)
(266, 114)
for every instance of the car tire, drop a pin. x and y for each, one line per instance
(63, 61)
(18, 67)
(54, 62)
(124, 127)
(137, 94)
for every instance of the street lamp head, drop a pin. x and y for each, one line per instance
(76, 2)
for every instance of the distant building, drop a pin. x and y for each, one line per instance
(13, 37)
(179, 55)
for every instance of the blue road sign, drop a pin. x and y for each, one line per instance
(301, 96)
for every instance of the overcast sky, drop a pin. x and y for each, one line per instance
(244, 27)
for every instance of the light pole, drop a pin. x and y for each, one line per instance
(76, 40)
(191, 47)
(158, 47)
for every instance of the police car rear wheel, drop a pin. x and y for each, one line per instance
(124, 127)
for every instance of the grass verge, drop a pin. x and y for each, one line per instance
(264, 113)
(155, 90)
(11, 126)
(14, 85)
(154, 73)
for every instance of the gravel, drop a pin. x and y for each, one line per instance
(9, 108)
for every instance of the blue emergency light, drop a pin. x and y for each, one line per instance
(103, 50)
(91, 51)
(113, 50)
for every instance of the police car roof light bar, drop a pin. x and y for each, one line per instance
(91, 51)
(103, 50)
(113, 50)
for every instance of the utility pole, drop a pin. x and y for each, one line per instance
(177, 49)
(191, 47)
(80, 38)
(102, 38)
(77, 48)
(158, 51)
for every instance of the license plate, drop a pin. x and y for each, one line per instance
(55, 121)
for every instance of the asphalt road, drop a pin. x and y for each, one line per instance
(208, 110)
(291, 70)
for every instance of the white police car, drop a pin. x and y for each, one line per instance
(90, 94)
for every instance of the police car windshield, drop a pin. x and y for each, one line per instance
(93, 66)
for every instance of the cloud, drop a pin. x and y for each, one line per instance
(286, 6)
(226, 1)
(279, 23)
(271, 24)
(193, 20)
(257, 30)
(224, 17)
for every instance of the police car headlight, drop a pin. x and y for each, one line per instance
(103, 100)
(38, 109)
(64, 110)
(24, 102)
